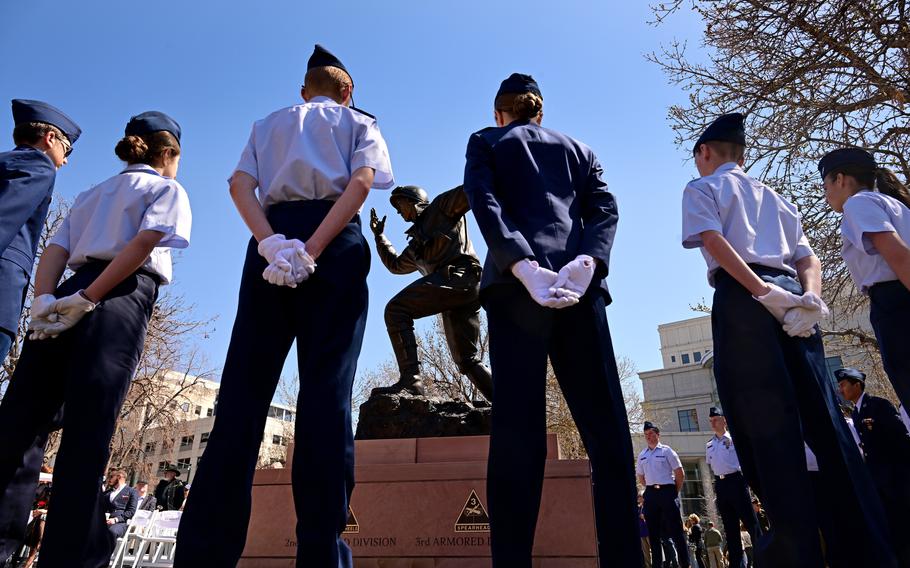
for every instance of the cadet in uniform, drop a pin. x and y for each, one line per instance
(661, 473)
(733, 501)
(441, 250)
(84, 350)
(314, 165)
(542, 207)
(875, 230)
(886, 445)
(768, 353)
(44, 138)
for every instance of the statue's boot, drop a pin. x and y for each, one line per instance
(404, 345)
(480, 377)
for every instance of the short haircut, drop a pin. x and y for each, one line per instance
(29, 133)
(118, 473)
(328, 81)
(728, 150)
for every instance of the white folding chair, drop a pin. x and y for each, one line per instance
(156, 546)
(137, 526)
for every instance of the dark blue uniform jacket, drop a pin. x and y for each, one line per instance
(538, 194)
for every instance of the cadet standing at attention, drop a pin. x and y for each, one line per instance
(768, 353)
(876, 247)
(44, 139)
(314, 164)
(84, 350)
(661, 473)
(733, 501)
(542, 207)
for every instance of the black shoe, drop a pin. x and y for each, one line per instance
(413, 386)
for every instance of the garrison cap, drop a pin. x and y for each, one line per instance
(849, 374)
(25, 110)
(518, 83)
(650, 426)
(322, 57)
(715, 411)
(726, 128)
(152, 121)
(846, 156)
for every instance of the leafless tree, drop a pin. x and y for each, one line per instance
(810, 75)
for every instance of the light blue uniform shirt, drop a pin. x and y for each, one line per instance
(106, 217)
(760, 225)
(721, 455)
(309, 151)
(871, 212)
(657, 465)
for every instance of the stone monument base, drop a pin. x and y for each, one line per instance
(421, 503)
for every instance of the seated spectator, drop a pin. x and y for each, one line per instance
(146, 502)
(119, 503)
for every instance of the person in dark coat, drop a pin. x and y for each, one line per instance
(548, 220)
(44, 137)
(119, 502)
(170, 491)
(886, 445)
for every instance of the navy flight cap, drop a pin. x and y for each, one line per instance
(152, 121)
(715, 411)
(726, 128)
(322, 57)
(36, 111)
(518, 83)
(650, 426)
(846, 156)
(848, 374)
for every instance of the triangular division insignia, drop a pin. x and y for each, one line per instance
(351, 526)
(473, 516)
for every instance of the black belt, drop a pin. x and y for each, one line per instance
(661, 486)
(733, 475)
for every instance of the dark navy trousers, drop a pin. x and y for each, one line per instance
(577, 340)
(661, 511)
(889, 313)
(776, 393)
(735, 505)
(89, 368)
(326, 315)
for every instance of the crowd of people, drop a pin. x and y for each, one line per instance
(549, 222)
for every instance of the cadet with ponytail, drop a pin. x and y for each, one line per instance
(875, 229)
(87, 333)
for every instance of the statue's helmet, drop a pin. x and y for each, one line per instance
(409, 192)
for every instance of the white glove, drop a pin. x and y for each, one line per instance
(778, 301)
(538, 281)
(69, 311)
(269, 246)
(800, 322)
(290, 267)
(42, 316)
(575, 276)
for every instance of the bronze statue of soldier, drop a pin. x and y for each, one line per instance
(440, 249)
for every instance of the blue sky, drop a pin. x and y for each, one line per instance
(428, 70)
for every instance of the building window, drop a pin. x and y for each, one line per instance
(209, 412)
(672, 358)
(204, 438)
(688, 420)
(150, 447)
(697, 356)
(162, 465)
(185, 407)
(685, 358)
(693, 494)
(184, 463)
(279, 440)
(186, 442)
(198, 410)
(833, 364)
